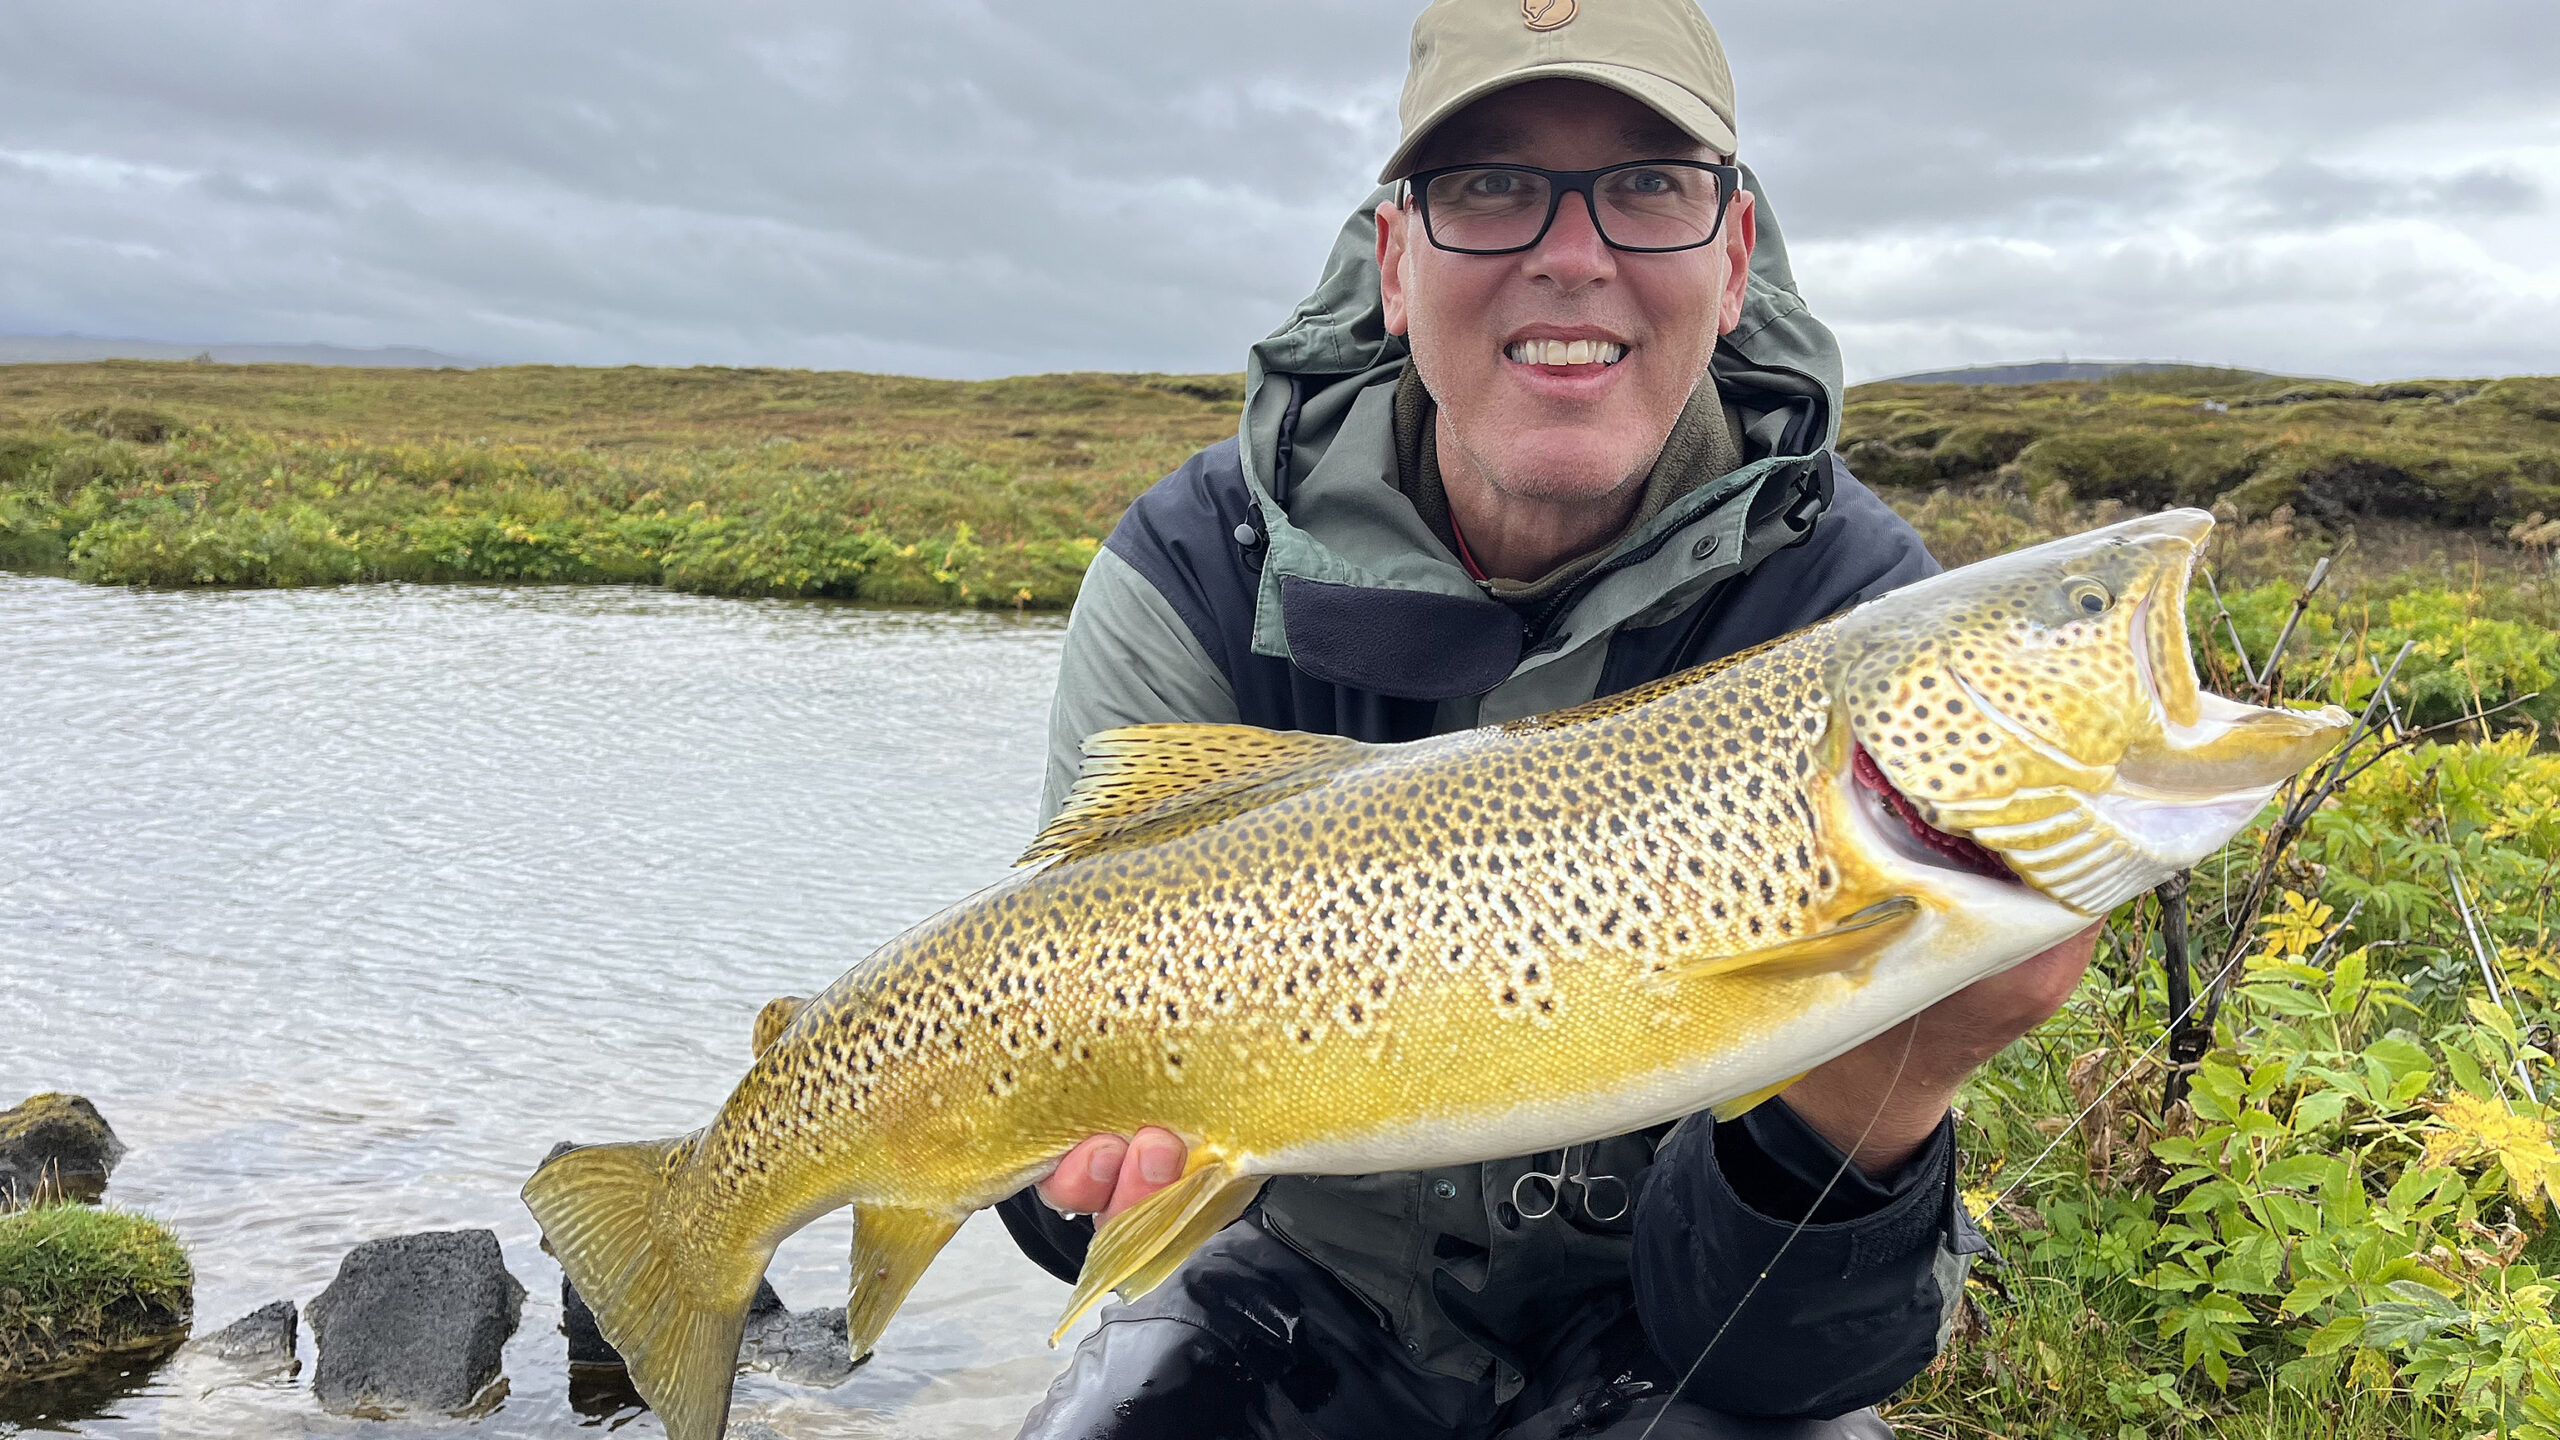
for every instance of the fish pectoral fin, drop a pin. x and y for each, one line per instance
(1146, 1242)
(891, 1248)
(1740, 1105)
(1845, 946)
(774, 1018)
(1162, 780)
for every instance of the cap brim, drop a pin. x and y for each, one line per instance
(1674, 103)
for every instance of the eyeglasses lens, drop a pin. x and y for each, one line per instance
(1639, 208)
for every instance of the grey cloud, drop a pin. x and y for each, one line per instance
(982, 187)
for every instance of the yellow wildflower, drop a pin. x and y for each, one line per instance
(2472, 1130)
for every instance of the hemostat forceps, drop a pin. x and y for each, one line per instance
(1573, 1167)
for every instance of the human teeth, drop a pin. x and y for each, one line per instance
(1563, 352)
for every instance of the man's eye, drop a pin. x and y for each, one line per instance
(1494, 185)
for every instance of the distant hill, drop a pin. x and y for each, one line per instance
(73, 349)
(2036, 372)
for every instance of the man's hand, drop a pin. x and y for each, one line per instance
(1843, 1097)
(1106, 1174)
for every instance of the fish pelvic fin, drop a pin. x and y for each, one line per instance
(673, 1306)
(1740, 1105)
(891, 1248)
(774, 1018)
(1156, 781)
(1148, 1241)
(1851, 943)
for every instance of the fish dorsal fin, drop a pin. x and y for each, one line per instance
(1854, 942)
(1155, 780)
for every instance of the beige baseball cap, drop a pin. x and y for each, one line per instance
(1662, 52)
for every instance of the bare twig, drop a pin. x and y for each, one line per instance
(2231, 628)
(2264, 685)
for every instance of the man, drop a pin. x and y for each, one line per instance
(1554, 423)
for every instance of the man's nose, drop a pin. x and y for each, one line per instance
(1572, 254)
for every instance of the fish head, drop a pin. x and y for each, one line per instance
(2040, 710)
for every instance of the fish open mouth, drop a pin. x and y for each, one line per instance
(1953, 851)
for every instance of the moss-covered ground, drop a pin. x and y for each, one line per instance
(78, 1283)
(778, 482)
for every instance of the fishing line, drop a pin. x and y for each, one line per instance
(1846, 1160)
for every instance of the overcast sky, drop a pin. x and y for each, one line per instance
(956, 188)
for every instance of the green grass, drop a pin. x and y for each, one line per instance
(77, 1282)
(2455, 452)
(996, 493)
(755, 482)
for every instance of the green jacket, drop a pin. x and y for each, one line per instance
(1284, 579)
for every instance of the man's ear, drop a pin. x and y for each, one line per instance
(1395, 229)
(1741, 230)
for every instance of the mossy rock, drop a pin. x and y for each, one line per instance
(55, 1147)
(79, 1285)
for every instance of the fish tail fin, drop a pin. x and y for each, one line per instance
(673, 1306)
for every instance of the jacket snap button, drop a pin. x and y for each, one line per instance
(1705, 547)
(1444, 1189)
(1247, 536)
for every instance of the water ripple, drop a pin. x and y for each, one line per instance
(345, 904)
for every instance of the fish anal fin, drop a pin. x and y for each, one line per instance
(1156, 780)
(1144, 1243)
(891, 1248)
(1740, 1105)
(1847, 945)
(774, 1018)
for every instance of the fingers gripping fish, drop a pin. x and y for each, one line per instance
(1305, 954)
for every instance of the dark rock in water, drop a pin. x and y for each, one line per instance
(587, 1345)
(55, 1146)
(805, 1347)
(415, 1323)
(263, 1337)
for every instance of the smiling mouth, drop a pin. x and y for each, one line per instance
(1564, 352)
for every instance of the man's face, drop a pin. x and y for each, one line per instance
(1561, 433)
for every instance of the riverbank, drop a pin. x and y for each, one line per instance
(740, 482)
(997, 493)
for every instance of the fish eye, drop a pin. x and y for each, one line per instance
(2088, 595)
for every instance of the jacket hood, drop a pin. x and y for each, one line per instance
(1318, 455)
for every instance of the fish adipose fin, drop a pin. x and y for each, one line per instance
(673, 1308)
(1854, 942)
(1156, 781)
(1146, 1242)
(891, 1248)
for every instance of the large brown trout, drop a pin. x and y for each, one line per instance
(1305, 954)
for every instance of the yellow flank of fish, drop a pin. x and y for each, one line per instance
(1305, 954)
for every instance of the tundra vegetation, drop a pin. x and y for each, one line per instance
(2345, 1224)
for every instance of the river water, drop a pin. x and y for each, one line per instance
(344, 905)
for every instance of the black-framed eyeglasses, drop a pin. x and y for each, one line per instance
(1647, 206)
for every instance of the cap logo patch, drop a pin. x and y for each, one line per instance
(1546, 14)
